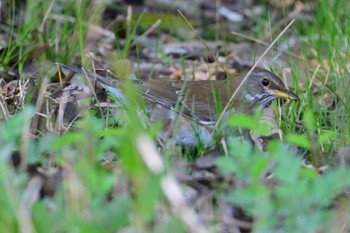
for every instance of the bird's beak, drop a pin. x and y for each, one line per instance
(285, 94)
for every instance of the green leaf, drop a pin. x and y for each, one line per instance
(263, 129)
(309, 120)
(243, 121)
(226, 165)
(325, 136)
(13, 128)
(288, 168)
(299, 140)
(239, 148)
(258, 168)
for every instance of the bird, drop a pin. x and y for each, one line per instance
(199, 103)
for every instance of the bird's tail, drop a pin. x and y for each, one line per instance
(108, 81)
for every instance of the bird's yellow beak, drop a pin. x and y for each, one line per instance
(285, 94)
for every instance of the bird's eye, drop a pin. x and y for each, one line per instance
(265, 82)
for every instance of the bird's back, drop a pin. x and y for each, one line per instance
(199, 99)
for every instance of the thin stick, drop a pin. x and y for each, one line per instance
(59, 75)
(147, 32)
(41, 28)
(251, 70)
(249, 38)
(89, 83)
(247, 75)
(202, 41)
(298, 8)
(264, 43)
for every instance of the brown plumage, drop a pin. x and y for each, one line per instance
(204, 100)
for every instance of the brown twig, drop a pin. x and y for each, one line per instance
(261, 42)
(202, 41)
(251, 70)
(246, 76)
(41, 28)
(173, 193)
(147, 32)
(298, 8)
(89, 83)
(39, 102)
(61, 111)
(59, 75)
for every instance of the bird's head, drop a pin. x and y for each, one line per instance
(262, 87)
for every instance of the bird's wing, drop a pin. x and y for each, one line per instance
(197, 100)
(160, 91)
(194, 99)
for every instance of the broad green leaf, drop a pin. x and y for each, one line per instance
(226, 165)
(309, 120)
(239, 148)
(299, 140)
(325, 136)
(243, 121)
